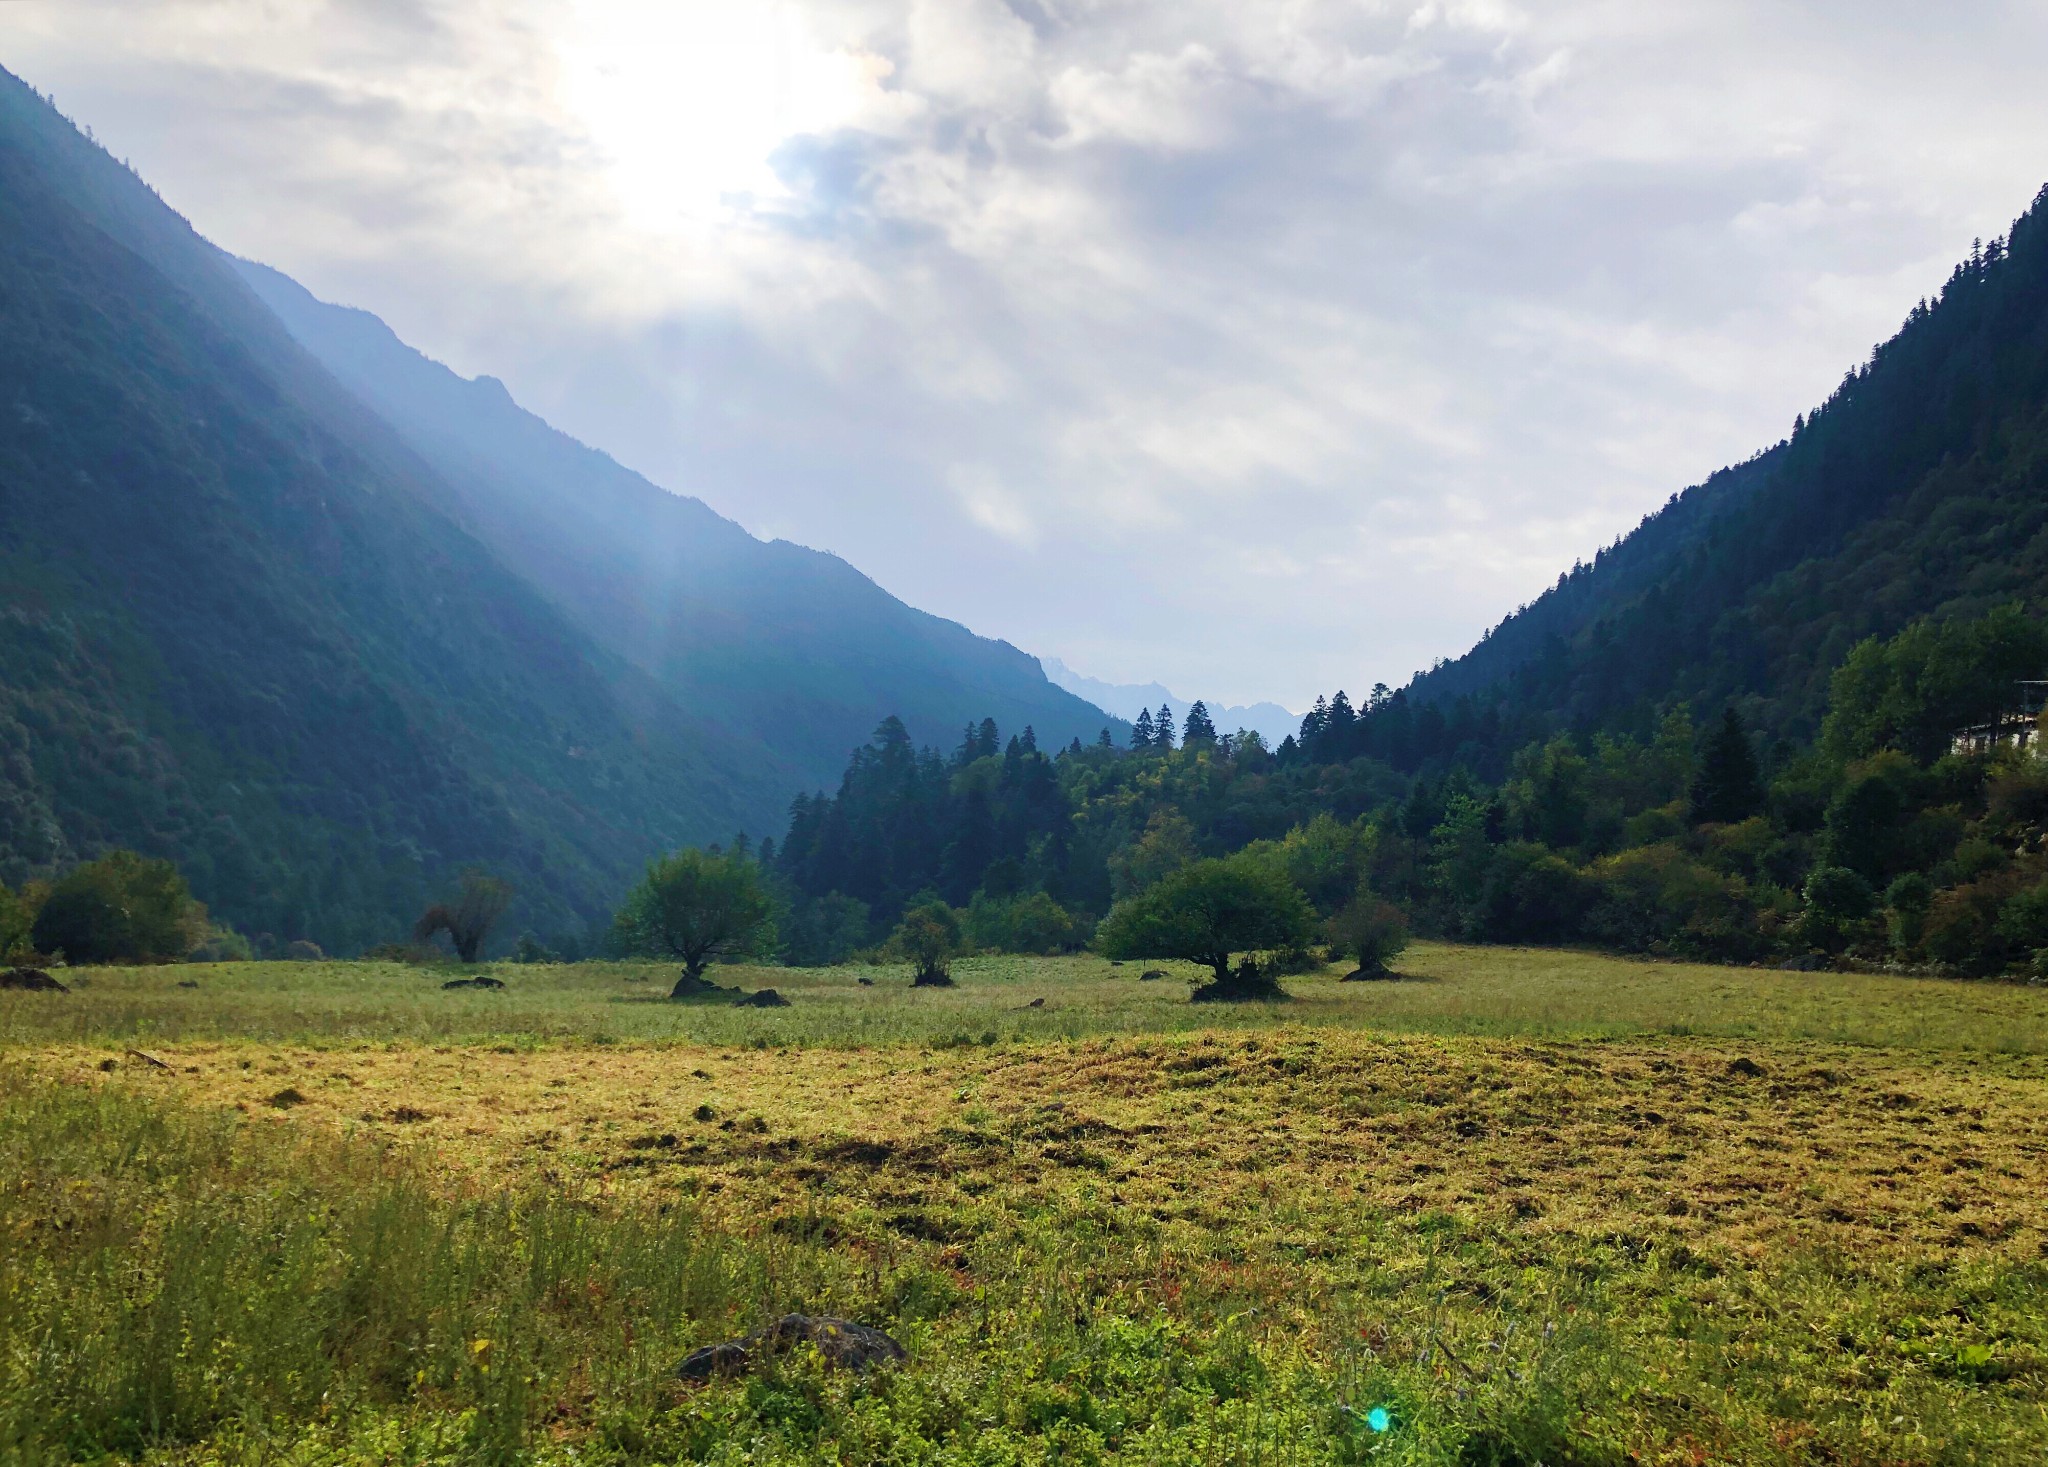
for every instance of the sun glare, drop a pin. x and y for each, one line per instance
(689, 101)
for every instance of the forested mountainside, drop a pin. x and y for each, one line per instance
(793, 648)
(1920, 488)
(240, 626)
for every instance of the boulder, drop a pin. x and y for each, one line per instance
(843, 1343)
(31, 980)
(766, 998)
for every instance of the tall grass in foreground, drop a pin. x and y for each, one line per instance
(179, 1285)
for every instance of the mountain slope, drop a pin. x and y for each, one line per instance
(784, 646)
(1920, 488)
(239, 625)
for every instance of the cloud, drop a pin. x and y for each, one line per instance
(1255, 349)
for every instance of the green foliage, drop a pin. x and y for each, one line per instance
(1837, 900)
(694, 906)
(1209, 911)
(1167, 845)
(927, 938)
(824, 931)
(17, 920)
(1913, 691)
(1726, 788)
(121, 908)
(1030, 922)
(1369, 931)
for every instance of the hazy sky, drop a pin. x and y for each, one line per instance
(1255, 348)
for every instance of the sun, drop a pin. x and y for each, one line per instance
(687, 101)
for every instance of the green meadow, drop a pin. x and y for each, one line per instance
(1518, 1206)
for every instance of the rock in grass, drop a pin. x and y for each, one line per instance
(1369, 975)
(31, 980)
(766, 998)
(1151, 975)
(479, 981)
(842, 1342)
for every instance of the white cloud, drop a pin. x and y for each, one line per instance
(1258, 349)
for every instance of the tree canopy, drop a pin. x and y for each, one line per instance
(694, 906)
(1208, 912)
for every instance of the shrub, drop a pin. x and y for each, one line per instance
(1837, 900)
(1032, 923)
(222, 945)
(927, 938)
(1371, 931)
(121, 908)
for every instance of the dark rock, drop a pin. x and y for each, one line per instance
(842, 1342)
(1151, 975)
(1369, 975)
(477, 982)
(1745, 1066)
(766, 998)
(31, 980)
(288, 1097)
(865, 982)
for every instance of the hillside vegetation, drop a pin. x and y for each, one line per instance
(323, 663)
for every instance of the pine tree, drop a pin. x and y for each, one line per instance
(1162, 728)
(1105, 741)
(1198, 729)
(1141, 731)
(1726, 787)
(1030, 740)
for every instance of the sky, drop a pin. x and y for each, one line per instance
(1255, 349)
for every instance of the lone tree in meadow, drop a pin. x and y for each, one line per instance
(1208, 912)
(927, 938)
(469, 918)
(1369, 930)
(694, 906)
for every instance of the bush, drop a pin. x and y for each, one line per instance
(222, 945)
(1837, 900)
(17, 921)
(1371, 931)
(927, 938)
(121, 908)
(1032, 923)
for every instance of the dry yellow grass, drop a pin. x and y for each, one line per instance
(1711, 1144)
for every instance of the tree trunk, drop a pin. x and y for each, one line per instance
(691, 983)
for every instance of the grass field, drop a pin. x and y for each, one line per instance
(1533, 1205)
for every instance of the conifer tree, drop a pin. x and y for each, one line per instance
(1726, 787)
(1162, 728)
(1105, 741)
(1198, 729)
(1141, 731)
